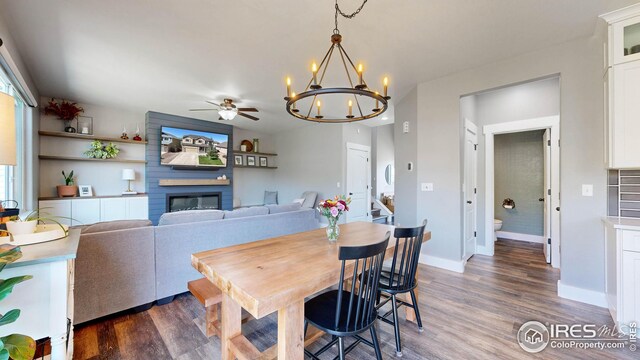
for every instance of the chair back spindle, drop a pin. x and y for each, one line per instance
(404, 264)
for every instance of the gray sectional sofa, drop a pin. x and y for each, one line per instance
(127, 264)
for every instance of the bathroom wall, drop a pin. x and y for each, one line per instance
(519, 175)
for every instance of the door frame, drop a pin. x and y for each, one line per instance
(468, 125)
(367, 149)
(549, 122)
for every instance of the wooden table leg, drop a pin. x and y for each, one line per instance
(231, 320)
(291, 331)
(410, 314)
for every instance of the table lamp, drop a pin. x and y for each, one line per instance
(129, 175)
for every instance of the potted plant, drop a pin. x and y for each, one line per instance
(27, 224)
(100, 151)
(68, 189)
(16, 346)
(64, 110)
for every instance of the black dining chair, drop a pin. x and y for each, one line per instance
(348, 313)
(400, 278)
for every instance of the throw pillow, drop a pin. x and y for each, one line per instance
(270, 197)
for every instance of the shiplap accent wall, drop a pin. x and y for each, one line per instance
(155, 171)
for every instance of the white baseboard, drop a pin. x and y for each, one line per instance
(520, 237)
(447, 264)
(583, 295)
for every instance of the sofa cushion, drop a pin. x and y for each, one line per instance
(189, 216)
(309, 199)
(114, 225)
(276, 209)
(270, 197)
(244, 212)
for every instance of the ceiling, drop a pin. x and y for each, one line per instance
(170, 56)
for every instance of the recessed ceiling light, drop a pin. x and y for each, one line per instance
(385, 118)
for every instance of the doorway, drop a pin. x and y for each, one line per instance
(551, 127)
(358, 182)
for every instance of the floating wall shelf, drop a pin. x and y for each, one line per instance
(193, 182)
(88, 137)
(73, 158)
(238, 152)
(255, 167)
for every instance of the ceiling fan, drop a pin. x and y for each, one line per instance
(228, 110)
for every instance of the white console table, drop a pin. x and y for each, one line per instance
(46, 301)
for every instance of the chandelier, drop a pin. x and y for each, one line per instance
(355, 93)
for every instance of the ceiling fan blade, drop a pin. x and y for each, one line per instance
(212, 103)
(203, 109)
(248, 109)
(248, 116)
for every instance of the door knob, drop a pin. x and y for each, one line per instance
(541, 199)
(350, 194)
(558, 208)
(469, 202)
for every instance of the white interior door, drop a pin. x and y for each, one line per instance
(470, 188)
(358, 183)
(547, 195)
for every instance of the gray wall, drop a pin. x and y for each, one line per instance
(435, 105)
(382, 154)
(155, 171)
(406, 185)
(250, 184)
(519, 175)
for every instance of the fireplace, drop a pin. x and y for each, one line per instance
(193, 201)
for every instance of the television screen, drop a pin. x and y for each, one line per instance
(191, 148)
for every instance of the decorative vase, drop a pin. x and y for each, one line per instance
(22, 227)
(67, 190)
(68, 128)
(256, 145)
(333, 230)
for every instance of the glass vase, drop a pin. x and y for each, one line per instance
(333, 230)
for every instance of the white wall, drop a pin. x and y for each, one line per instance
(438, 157)
(382, 154)
(105, 178)
(249, 184)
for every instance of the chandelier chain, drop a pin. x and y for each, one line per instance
(347, 16)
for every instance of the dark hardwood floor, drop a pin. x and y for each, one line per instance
(474, 315)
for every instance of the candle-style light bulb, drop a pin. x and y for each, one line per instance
(377, 107)
(293, 105)
(314, 70)
(385, 82)
(288, 87)
(319, 105)
(360, 71)
(350, 107)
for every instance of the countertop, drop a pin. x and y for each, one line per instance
(50, 251)
(622, 223)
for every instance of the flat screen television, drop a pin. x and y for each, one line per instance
(193, 149)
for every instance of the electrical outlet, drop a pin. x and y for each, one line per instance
(426, 187)
(587, 190)
(338, 184)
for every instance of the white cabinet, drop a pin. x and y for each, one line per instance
(93, 210)
(622, 88)
(113, 209)
(622, 269)
(60, 208)
(85, 211)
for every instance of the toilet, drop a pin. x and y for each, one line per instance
(497, 225)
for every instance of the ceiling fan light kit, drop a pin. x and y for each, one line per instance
(315, 89)
(228, 110)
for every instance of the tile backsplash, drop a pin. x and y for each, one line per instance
(624, 193)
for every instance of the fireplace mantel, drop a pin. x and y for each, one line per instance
(193, 182)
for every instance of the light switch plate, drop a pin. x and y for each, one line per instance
(405, 127)
(587, 190)
(426, 187)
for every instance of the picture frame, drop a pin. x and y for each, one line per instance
(237, 160)
(84, 125)
(251, 160)
(85, 190)
(263, 161)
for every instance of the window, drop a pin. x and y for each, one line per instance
(11, 176)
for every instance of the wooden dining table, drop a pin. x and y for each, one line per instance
(277, 274)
